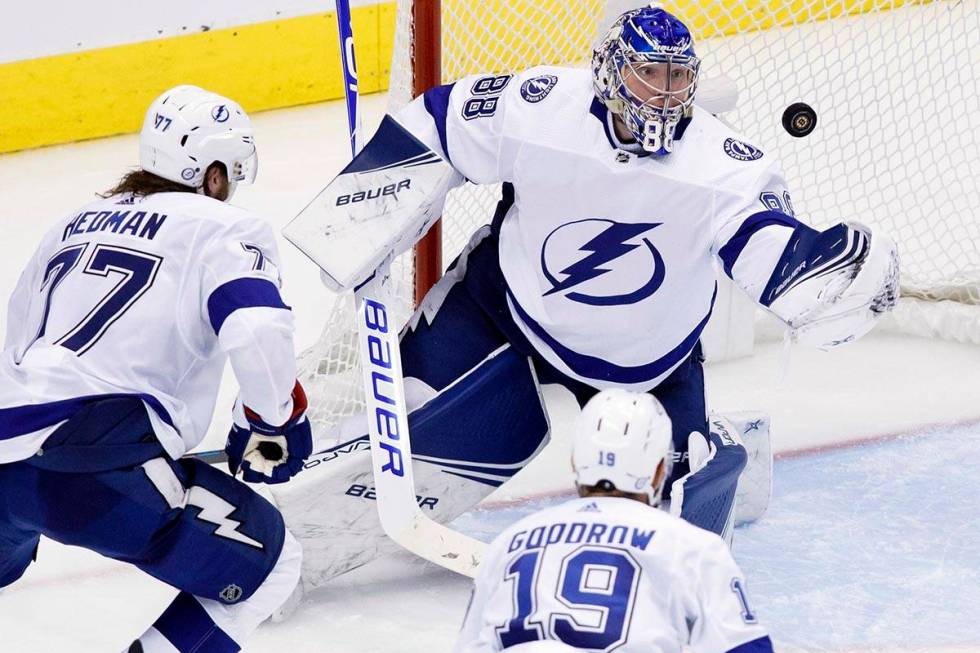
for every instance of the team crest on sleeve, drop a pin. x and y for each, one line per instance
(741, 151)
(537, 88)
(600, 262)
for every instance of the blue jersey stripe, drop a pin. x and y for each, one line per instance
(241, 293)
(21, 420)
(761, 645)
(592, 367)
(436, 102)
(187, 625)
(753, 224)
(599, 110)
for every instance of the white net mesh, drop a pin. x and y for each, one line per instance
(895, 87)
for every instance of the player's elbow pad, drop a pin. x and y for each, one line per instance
(838, 289)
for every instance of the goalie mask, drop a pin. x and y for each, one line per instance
(188, 128)
(646, 72)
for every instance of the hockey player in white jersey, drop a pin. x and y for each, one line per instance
(622, 199)
(608, 571)
(117, 335)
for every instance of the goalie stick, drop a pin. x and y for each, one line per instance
(391, 447)
(387, 416)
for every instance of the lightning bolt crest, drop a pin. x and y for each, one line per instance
(216, 510)
(607, 246)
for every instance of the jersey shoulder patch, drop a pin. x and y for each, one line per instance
(741, 150)
(537, 88)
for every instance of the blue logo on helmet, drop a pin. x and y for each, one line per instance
(187, 173)
(651, 29)
(608, 254)
(537, 88)
(741, 151)
(220, 113)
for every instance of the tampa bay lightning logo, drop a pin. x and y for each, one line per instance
(537, 88)
(616, 251)
(741, 151)
(220, 113)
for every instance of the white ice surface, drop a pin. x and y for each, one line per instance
(71, 600)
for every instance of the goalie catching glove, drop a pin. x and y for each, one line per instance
(840, 284)
(264, 453)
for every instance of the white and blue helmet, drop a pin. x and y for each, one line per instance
(620, 439)
(645, 71)
(187, 128)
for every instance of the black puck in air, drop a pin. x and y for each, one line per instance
(799, 119)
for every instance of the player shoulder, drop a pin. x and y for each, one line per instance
(728, 157)
(535, 519)
(202, 207)
(547, 104)
(691, 546)
(540, 89)
(527, 531)
(217, 217)
(537, 91)
(669, 527)
(536, 79)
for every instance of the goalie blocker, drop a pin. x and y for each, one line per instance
(377, 207)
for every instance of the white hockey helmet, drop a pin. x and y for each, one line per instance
(621, 438)
(187, 129)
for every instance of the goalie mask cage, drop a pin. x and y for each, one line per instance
(896, 145)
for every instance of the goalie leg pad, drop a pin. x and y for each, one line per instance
(488, 425)
(472, 436)
(707, 496)
(755, 483)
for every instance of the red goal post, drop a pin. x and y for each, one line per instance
(426, 68)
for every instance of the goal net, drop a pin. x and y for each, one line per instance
(895, 147)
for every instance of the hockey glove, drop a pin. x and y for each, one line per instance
(849, 279)
(269, 454)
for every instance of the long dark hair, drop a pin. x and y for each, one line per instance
(142, 183)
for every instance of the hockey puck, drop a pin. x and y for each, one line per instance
(799, 119)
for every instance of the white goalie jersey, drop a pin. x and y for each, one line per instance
(603, 574)
(610, 256)
(146, 297)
